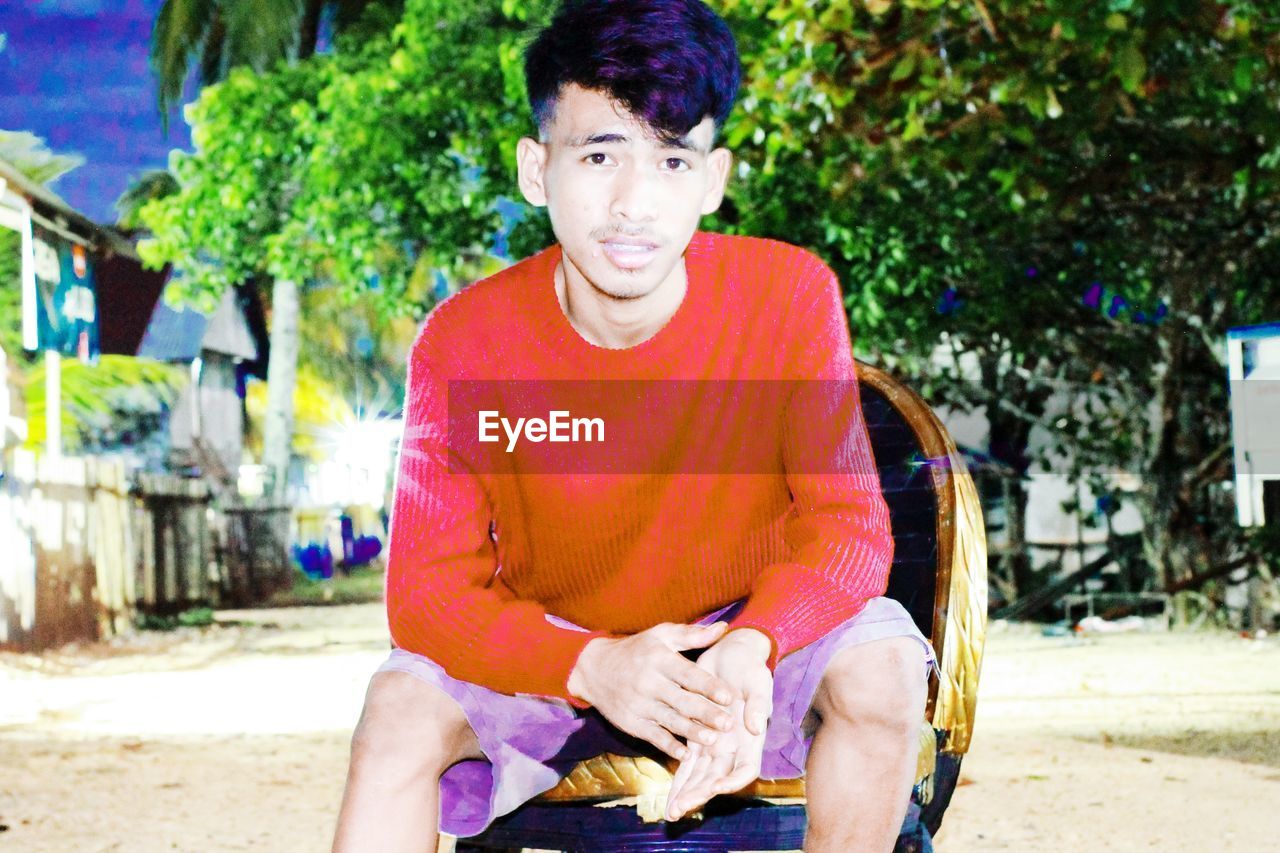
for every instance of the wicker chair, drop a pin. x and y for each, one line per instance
(613, 803)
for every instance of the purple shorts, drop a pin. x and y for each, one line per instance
(533, 741)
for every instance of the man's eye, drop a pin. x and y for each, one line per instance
(597, 158)
(676, 164)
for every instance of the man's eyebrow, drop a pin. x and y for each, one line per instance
(682, 143)
(597, 139)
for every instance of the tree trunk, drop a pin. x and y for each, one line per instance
(282, 375)
(1165, 502)
(1019, 557)
(309, 29)
(1008, 439)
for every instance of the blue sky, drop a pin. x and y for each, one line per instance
(75, 73)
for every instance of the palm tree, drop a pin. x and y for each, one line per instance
(28, 153)
(216, 36)
(219, 35)
(151, 184)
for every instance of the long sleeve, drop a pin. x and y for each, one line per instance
(838, 529)
(444, 600)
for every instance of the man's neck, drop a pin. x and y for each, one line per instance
(612, 323)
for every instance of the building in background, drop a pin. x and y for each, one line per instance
(1253, 365)
(207, 424)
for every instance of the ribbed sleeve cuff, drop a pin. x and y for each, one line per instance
(534, 659)
(764, 626)
(794, 622)
(548, 674)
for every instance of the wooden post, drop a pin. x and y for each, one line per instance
(53, 403)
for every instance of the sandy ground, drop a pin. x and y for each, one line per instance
(234, 737)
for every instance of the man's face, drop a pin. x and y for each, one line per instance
(623, 204)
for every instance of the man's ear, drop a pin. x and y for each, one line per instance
(718, 163)
(531, 165)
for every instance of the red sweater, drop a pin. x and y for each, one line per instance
(478, 558)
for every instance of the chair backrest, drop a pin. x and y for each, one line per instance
(939, 569)
(909, 490)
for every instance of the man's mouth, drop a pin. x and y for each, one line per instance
(629, 252)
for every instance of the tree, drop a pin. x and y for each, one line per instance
(222, 36)
(1077, 200)
(363, 169)
(1082, 198)
(151, 184)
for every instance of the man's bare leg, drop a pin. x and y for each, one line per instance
(409, 733)
(862, 763)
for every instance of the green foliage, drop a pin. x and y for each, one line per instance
(197, 617)
(368, 168)
(226, 222)
(220, 35)
(1265, 541)
(152, 184)
(970, 169)
(119, 400)
(364, 585)
(973, 169)
(1017, 126)
(10, 294)
(350, 344)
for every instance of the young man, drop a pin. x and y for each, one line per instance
(539, 616)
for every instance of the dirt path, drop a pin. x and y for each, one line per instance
(1165, 742)
(235, 738)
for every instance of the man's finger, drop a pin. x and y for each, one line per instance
(759, 706)
(745, 772)
(677, 723)
(684, 637)
(695, 679)
(680, 779)
(694, 706)
(661, 738)
(701, 785)
(688, 798)
(690, 795)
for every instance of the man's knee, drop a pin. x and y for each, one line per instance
(412, 725)
(880, 683)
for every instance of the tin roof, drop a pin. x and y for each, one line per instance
(182, 334)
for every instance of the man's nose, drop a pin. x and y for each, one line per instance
(635, 195)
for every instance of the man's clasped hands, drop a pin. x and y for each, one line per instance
(719, 705)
